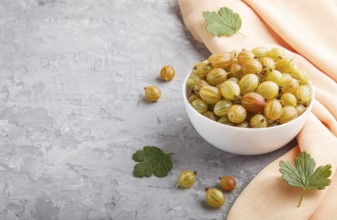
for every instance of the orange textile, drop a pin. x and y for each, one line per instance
(305, 29)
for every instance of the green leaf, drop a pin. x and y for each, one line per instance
(152, 160)
(139, 156)
(304, 174)
(319, 179)
(224, 22)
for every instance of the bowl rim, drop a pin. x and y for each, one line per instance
(307, 111)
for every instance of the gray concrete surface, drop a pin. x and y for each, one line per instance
(72, 113)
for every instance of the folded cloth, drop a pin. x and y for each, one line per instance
(305, 29)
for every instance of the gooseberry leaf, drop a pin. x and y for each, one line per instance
(224, 22)
(304, 175)
(151, 160)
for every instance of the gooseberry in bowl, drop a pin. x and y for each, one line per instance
(257, 113)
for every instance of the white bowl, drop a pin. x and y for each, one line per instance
(245, 141)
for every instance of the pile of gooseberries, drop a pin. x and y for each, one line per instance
(255, 88)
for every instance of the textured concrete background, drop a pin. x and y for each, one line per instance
(72, 113)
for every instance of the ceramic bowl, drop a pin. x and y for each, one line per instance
(244, 141)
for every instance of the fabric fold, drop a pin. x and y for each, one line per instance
(308, 36)
(195, 23)
(306, 26)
